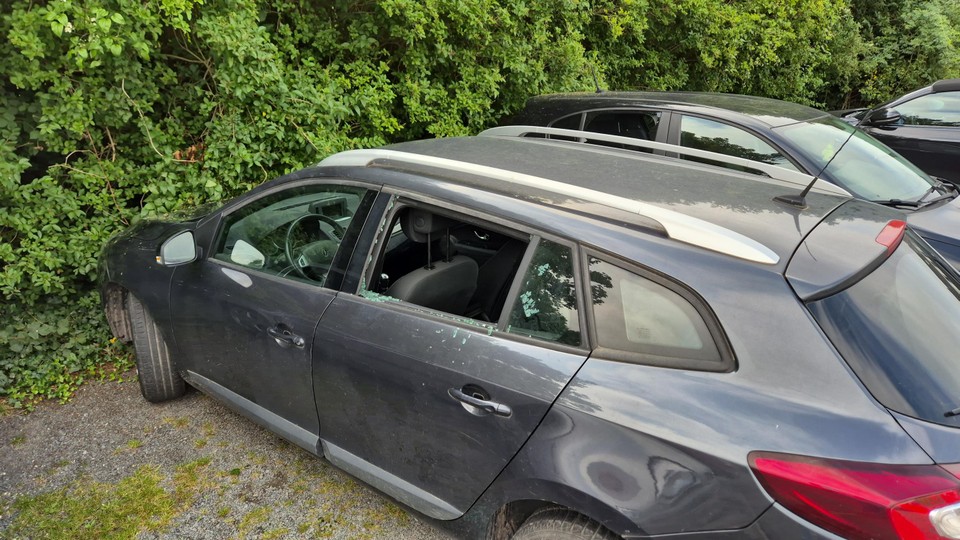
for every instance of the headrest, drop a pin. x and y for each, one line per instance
(417, 224)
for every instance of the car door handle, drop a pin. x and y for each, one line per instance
(484, 405)
(284, 336)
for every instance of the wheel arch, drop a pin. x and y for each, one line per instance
(535, 495)
(114, 298)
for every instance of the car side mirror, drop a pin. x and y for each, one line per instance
(883, 118)
(180, 248)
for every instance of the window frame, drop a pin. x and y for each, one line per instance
(400, 199)
(727, 363)
(342, 256)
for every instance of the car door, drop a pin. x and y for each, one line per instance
(430, 405)
(928, 135)
(245, 314)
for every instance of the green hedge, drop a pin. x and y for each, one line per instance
(117, 110)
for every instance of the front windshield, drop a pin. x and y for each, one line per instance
(865, 167)
(897, 329)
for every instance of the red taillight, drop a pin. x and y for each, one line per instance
(865, 500)
(892, 234)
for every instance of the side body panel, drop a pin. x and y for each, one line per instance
(224, 316)
(651, 451)
(383, 381)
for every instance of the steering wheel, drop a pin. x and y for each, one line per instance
(315, 254)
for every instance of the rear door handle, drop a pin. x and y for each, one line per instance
(484, 405)
(285, 337)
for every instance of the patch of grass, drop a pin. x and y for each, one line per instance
(19, 439)
(327, 526)
(396, 513)
(252, 519)
(189, 481)
(54, 468)
(88, 509)
(275, 533)
(199, 443)
(223, 512)
(132, 444)
(177, 422)
(208, 430)
(5, 408)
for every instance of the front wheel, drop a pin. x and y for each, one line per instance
(158, 381)
(560, 524)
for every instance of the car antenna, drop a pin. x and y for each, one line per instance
(799, 200)
(596, 83)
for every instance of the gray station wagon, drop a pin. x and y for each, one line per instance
(532, 338)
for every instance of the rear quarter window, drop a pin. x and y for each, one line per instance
(643, 318)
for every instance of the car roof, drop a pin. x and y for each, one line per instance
(736, 202)
(750, 110)
(946, 85)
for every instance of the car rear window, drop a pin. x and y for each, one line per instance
(897, 329)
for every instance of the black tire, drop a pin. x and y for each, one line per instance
(158, 381)
(561, 524)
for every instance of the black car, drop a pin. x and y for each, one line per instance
(769, 131)
(923, 126)
(529, 338)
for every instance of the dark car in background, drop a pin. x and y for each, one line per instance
(774, 132)
(923, 126)
(530, 338)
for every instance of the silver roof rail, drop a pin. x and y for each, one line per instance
(680, 227)
(773, 171)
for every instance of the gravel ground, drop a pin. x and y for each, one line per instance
(251, 484)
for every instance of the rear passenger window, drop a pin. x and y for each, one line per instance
(638, 125)
(546, 307)
(567, 122)
(647, 321)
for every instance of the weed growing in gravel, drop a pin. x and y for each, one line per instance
(88, 509)
(275, 533)
(189, 481)
(252, 519)
(19, 439)
(176, 422)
